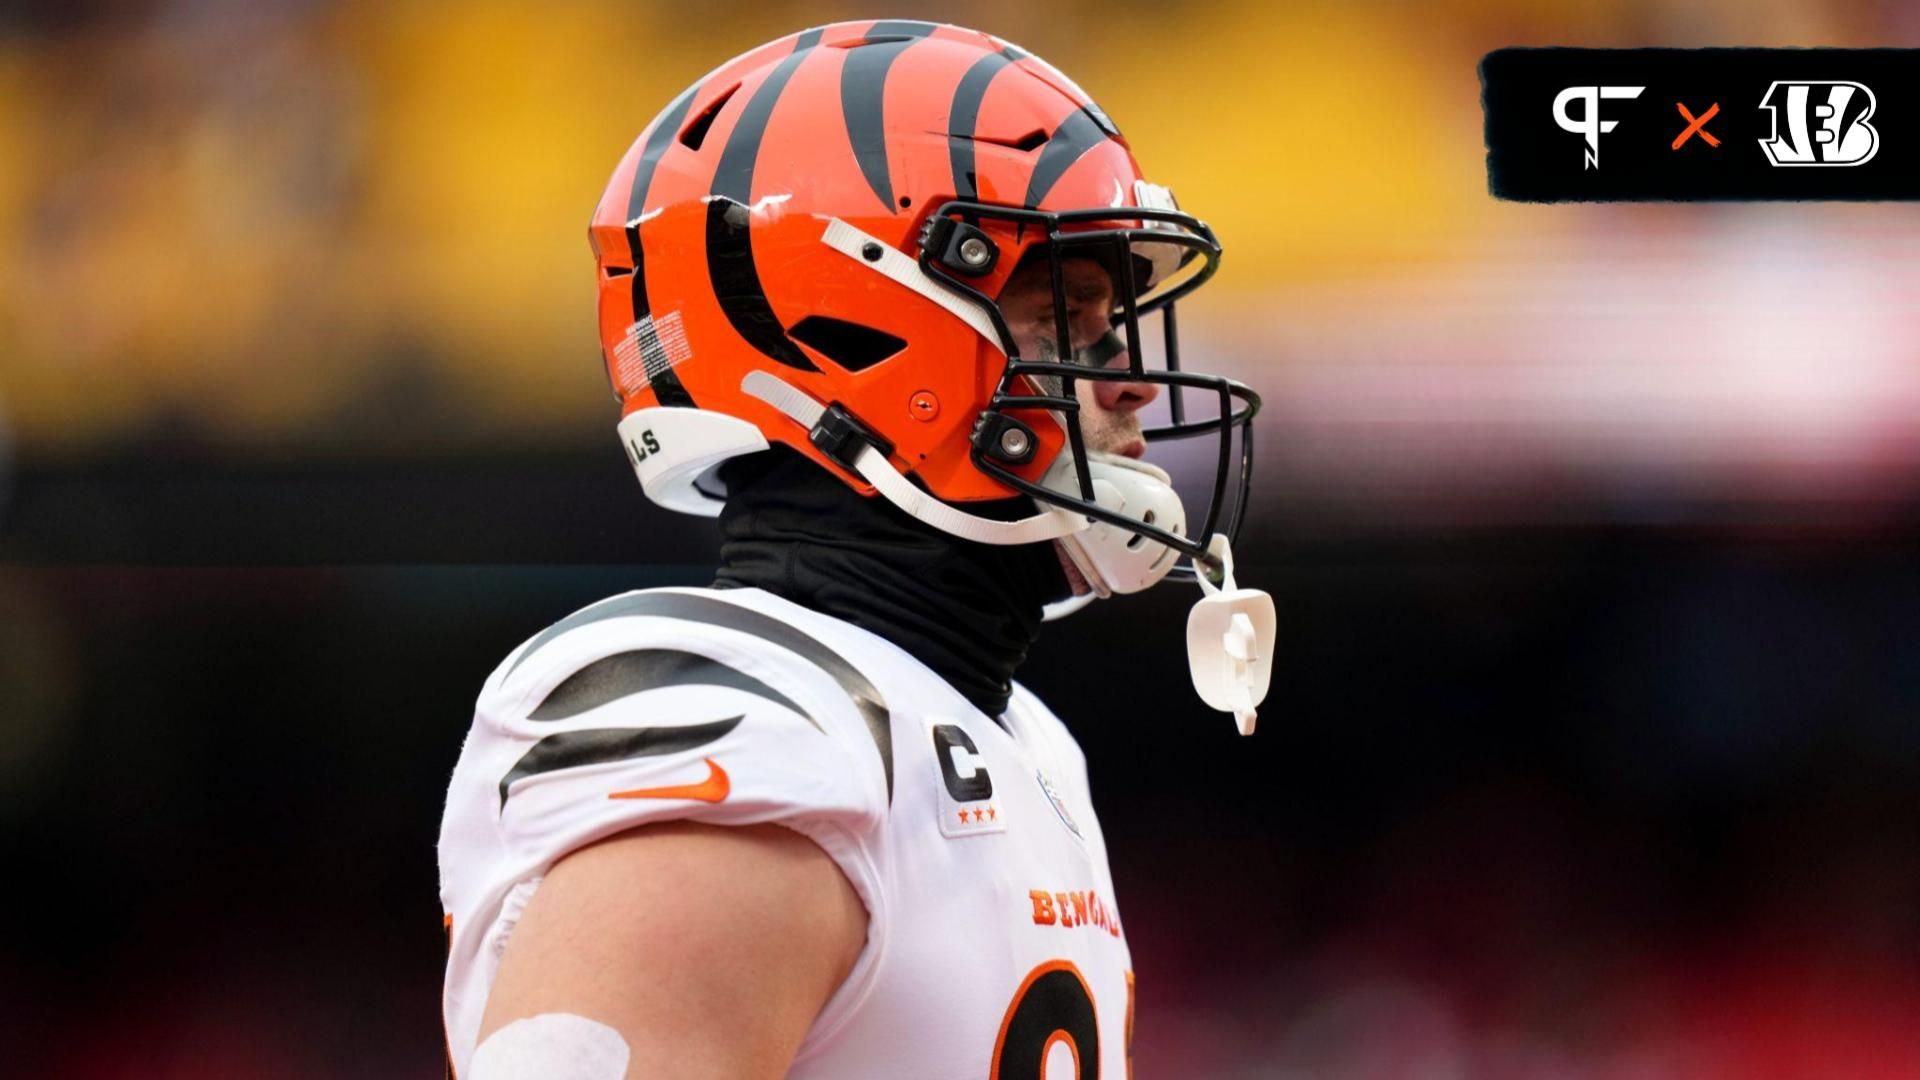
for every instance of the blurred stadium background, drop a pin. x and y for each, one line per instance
(1594, 750)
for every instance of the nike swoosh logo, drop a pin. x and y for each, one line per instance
(711, 790)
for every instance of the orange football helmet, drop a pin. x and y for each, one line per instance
(805, 248)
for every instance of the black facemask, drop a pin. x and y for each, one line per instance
(968, 611)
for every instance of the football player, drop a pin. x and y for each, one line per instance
(875, 294)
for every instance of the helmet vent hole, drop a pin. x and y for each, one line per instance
(850, 345)
(1030, 141)
(1138, 539)
(1027, 143)
(876, 39)
(1147, 517)
(695, 132)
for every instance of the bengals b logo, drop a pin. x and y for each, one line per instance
(1825, 124)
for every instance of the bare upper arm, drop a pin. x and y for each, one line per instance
(710, 949)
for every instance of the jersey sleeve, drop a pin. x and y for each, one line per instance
(643, 721)
(657, 706)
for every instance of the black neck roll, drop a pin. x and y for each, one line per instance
(969, 611)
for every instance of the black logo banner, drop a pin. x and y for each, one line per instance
(1680, 124)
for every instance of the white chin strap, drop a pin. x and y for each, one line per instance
(877, 470)
(1060, 609)
(1229, 632)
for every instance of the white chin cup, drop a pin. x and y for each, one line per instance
(1113, 559)
(1230, 642)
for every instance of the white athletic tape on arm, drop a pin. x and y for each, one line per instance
(551, 1046)
(895, 264)
(878, 471)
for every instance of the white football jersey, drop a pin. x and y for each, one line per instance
(994, 947)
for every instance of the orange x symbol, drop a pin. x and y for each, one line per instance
(1699, 125)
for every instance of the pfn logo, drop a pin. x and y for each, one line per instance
(1589, 124)
(1826, 124)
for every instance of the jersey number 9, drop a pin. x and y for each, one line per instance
(1053, 1005)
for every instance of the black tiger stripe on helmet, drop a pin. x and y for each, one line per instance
(736, 281)
(863, 85)
(963, 119)
(666, 385)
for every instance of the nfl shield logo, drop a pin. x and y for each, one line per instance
(1059, 804)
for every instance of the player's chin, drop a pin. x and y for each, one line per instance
(1126, 444)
